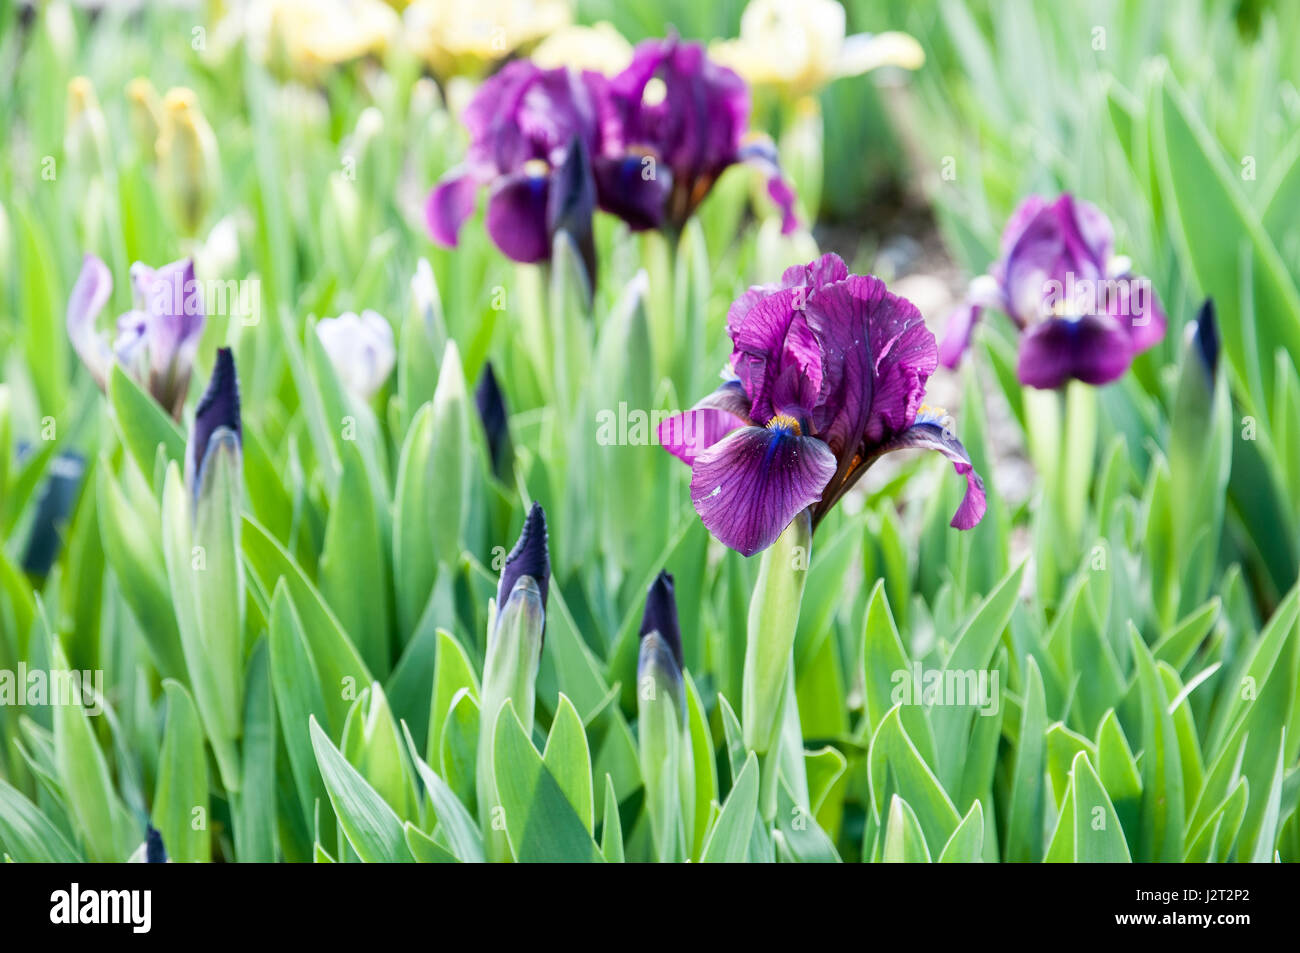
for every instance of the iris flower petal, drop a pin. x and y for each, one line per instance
(877, 356)
(957, 333)
(516, 217)
(751, 484)
(633, 189)
(1093, 349)
(449, 205)
(929, 434)
(688, 434)
(89, 295)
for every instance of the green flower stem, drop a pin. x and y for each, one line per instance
(773, 621)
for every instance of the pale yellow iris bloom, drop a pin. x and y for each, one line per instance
(798, 46)
(468, 37)
(308, 36)
(599, 47)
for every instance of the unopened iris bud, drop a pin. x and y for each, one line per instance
(492, 412)
(514, 651)
(205, 563)
(530, 557)
(145, 114)
(218, 428)
(661, 720)
(45, 538)
(1205, 340)
(659, 664)
(189, 169)
(154, 851)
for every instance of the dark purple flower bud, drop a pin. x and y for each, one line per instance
(216, 416)
(529, 558)
(1082, 314)
(1205, 338)
(154, 851)
(830, 374)
(491, 403)
(661, 615)
(572, 203)
(45, 538)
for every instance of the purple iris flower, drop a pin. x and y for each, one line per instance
(1081, 313)
(155, 341)
(532, 132)
(830, 371)
(681, 120)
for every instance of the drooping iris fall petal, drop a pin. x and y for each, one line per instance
(1092, 349)
(749, 486)
(929, 433)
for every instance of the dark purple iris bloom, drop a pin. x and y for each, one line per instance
(532, 135)
(1081, 313)
(830, 374)
(681, 120)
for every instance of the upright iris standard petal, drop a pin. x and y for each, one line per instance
(217, 413)
(749, 486)
(877, 355)
(530, 557)
(170, 297)
(830, 371)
